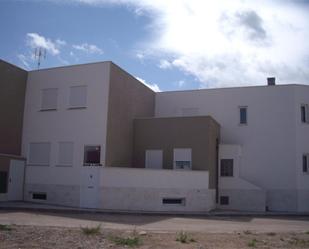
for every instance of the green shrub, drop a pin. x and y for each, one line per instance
(184, 237)
(252, 243)
(130, 241)
(4, 227)
(91, 230)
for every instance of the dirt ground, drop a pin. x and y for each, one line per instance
(44, 237)
(158, 223)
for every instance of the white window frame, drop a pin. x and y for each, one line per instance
(60, 164)
(183, 159)
(92, 164)
(39, 164)
(72, 107)
(42, 108)
(239, 114)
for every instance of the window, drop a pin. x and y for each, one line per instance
(3, 182)
(174, 201)
(226, 167)
(183, 164)
(78, 97)
(92, 155)
(306, 163)
(39, 154)
(224, 200)
(304, 114)
(39, 196)
(65, 154)
(182, 159)
(49, 99)
(243, 115)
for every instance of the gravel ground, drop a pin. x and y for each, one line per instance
(44, 237)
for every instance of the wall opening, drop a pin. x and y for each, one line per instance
(39, 196)
(224, 200)
(3, 182)
(174, 201)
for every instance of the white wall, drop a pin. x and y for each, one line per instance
(242, 194)
(268, 141)
(302, 146)
(144, 189)
(80, 126)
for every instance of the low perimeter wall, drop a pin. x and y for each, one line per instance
(147, 190)
(130, 189)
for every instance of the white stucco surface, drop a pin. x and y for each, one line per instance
(271, 143)
(86, 126)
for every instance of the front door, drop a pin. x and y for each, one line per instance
(89, 190)
(16, 180)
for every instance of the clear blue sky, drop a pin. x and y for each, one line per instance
(171, 45)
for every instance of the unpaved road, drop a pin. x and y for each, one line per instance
(157, 223)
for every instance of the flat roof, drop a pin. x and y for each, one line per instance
(168, 91)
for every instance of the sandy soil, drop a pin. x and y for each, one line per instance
(44, 237)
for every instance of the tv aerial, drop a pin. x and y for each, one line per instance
(39, 55)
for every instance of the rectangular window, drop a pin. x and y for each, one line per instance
(182, 164)
(174, 201)
(182, 159)
(224, 200)
(243, 115)
(304, 114)
(78, 97)
(226, 167)
(92, 155)
(39, 154)
(39, 196)
(49, 99)
(306, 163)
(3, 182)
(65, 154)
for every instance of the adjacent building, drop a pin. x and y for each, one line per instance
(93, 136)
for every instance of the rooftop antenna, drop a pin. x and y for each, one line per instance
(39, 54)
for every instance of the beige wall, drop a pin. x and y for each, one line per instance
(198, 133)
(12, 98)
(128, 99)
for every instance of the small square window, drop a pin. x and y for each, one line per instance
(243, 115)
(49, 99)
(224, 200)
(182, 158)
(92, 155)
(226, 167)
(306, 163)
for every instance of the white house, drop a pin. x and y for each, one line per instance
(95, 137)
